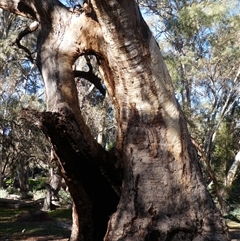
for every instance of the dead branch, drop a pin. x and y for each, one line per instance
(31, 28)
(91, 78)
(212, 175)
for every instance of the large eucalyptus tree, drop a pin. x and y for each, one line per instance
(151, 184)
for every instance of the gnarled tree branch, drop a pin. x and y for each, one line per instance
(31, 28)
(91, 78)
(51, 124)
(93, 196)
(18, 7)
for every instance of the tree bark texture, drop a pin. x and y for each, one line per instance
(162, 194)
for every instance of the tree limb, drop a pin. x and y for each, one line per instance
(233, 170)
(18, 7)
(52, 124)
(31, 28)
(212, 175)
(91, 78)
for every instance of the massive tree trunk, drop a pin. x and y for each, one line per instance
(162, 194)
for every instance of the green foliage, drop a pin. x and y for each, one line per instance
(65, 198)
(234, 192)
(37, 184)
(12, 190)
(38, 194)
(234, 214)
(111, 145)
(223, 153)
(23, 146)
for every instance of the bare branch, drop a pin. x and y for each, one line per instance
(18, 7)
(91, 78)
(31, 28)
(212, 175)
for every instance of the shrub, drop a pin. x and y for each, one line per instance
(39, 194)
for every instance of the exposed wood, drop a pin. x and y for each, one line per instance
(162, 186)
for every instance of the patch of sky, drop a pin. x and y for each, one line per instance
(71, 3)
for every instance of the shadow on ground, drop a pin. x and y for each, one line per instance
(34, 224)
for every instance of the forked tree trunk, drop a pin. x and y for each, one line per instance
(162, 196)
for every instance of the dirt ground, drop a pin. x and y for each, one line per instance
(235, 236)
(40, 226)
(45, 238)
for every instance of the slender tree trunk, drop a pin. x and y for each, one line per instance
(213, 177)
(22, 177)
(52, 188)
(47, 199)
(233, 170)
(1, 155)
(55, 183)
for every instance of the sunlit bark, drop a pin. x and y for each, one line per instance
(233, 170)
(162, 180)
(163, 196)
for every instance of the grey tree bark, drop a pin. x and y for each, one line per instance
(51, 199)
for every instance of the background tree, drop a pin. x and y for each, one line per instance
(96, 107)
(22, 147)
